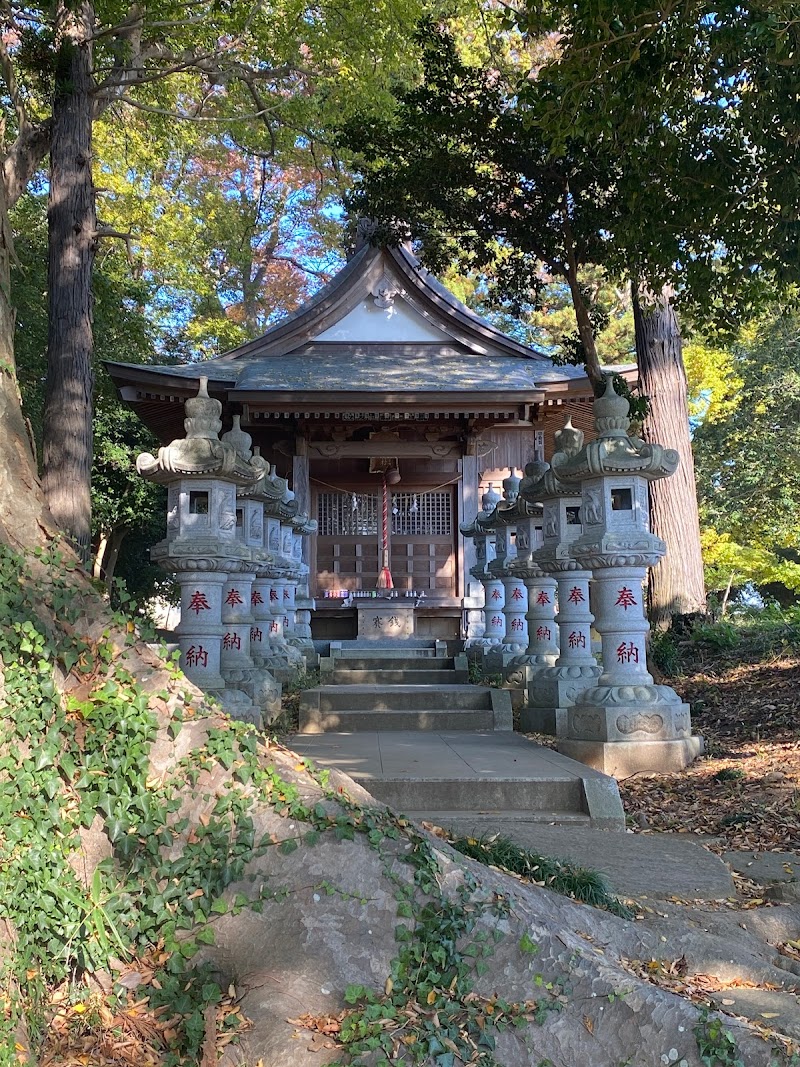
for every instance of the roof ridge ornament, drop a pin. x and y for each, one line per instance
(384, 291)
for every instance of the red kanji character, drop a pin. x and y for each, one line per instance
(543, 633)
(577, 639)
(496, 594)
(273, 594)
(273, 627)
(287, 595)
(497, 620)
(576, 595)
(625, 598)
(234, 597)
(199, 602)
(542, 597)
(255, 633)
(256, 597)
(627, 653)
(196, 656)
(517, 593)
(516, 624)
(232, 640)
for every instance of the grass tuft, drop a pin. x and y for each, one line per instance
(579, 883)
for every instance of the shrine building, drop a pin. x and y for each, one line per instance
(390, 408)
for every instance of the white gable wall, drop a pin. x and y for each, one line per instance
(397, 324)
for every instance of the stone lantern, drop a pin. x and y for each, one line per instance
(622, 723)
(487, 630)
(515, 600)
(542, 647)
(302, 526)
(257, 500)
(557, 685)
(205, 546)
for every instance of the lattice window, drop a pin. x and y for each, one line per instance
(422, 514)
(347, 514)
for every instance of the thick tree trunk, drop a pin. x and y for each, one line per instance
(23, 520)
(67, 429)
(675, 586)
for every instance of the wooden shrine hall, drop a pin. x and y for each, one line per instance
(389, 406)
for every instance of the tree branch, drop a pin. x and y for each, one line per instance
(150, 109)
(296, 263)
(10, 78)
(24, 158)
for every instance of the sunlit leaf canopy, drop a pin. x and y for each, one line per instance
(698, 101)
(659, 143)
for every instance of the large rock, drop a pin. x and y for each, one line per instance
(332, 923)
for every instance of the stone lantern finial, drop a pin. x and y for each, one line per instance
(569, 439)
(611, 411)
(511, 486)
(490, 499)
(239, 438)
(202, 415)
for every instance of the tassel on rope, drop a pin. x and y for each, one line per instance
(385, 576)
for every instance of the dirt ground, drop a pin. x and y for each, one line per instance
(746, 790)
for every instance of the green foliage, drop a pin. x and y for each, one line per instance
(728, 774)
(715, 1044)
(695, 101)
(756, 635)
(65, 763)
(665, 652)
(572, 881)
(478, 675)
(469, 175)
(123, 504)
(747, 457)
(83, 761)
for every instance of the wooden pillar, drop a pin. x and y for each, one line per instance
(301, 485)
(468, 505)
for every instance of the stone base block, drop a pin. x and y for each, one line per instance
(617, 723)
(624, 758)
(548, 699)
(539, 720)
(239, 705)
(495, 661)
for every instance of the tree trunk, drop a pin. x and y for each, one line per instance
(112, 555)
(67, 424)
(23, 520)
(675, 586)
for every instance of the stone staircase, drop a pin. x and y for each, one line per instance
(406, 724)
(382, 692)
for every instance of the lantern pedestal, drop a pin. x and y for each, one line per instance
(624, 722)
(621, 759)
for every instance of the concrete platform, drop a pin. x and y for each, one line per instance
(644, 866)
(472, 773)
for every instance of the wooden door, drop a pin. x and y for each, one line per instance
(347, 541)
(423, 547)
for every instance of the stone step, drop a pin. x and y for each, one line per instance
(482, 774)
(506, 822)
(386, 676)
(316, 721)
(398, 697)
(394, 663)
(478, 794)
(386, 648)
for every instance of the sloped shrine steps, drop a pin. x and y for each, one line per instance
(406, 726)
